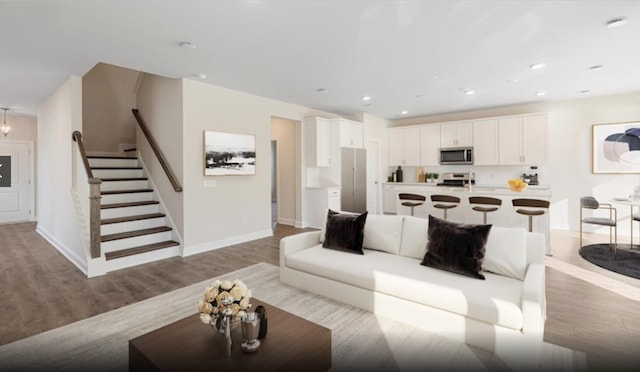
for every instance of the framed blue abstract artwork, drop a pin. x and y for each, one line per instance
(616, 148)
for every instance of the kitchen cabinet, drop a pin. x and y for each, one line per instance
(390, 198)
(317, 141)
(456, 134)
(404, 146)
(350, 133)
(485, 142)
(430, 145)
(523, 140)
(321, 199)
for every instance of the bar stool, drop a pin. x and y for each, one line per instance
(415, 200)
(542, 206)
(634, 217)
(485, 200)
(452, 202)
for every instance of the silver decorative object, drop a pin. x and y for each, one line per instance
(227, 313)
(250, 324)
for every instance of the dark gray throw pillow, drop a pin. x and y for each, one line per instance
(456, 247)
(345, 231)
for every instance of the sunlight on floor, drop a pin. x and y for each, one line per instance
(596, 279)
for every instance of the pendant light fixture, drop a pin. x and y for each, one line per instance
(6, 128)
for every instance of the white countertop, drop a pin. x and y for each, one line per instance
(538, 190)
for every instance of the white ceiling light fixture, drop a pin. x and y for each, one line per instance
(366, 98)
(596, 67)
(6, 128)
(616, 22)
(469, 92)
(201, 76)
(585, 91)
(540, 94)
(537, 66)
(322, 90)
(404, 112)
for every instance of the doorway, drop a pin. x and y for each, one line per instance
(374, 190)
(274, 183)
(16, 187)
(283, 170)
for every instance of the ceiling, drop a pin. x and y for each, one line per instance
(418, 56)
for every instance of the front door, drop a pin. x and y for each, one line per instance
(15, 182)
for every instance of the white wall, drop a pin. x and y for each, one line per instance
(108, 95)
(238, 208)
(569, 169)
(159, 103)
(283, 131)
(24, 128)
(58, 117)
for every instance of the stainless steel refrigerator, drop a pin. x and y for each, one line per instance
(353, 190)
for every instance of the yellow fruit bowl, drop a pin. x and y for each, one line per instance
(517, 185)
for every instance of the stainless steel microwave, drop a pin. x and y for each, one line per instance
(456, 155)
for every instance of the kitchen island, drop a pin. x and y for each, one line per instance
(505, 216)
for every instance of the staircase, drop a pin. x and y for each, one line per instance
(133, 228)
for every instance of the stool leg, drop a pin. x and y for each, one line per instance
(530, 223)
(484, 218)
(445, 214)
(412, 211)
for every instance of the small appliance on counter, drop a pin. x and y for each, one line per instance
(457, 179)
(530, 175)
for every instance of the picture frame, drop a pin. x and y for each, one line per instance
(229, 154)
(616, 147)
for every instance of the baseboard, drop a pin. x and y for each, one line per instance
(286, 221)
(217, 244)
(72, 256)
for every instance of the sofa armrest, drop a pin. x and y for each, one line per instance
(297, 242)
(534, 301)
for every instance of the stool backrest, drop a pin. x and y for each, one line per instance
(445, 198)
(589, 202)
(484, 200)
(534, 203)
(404, 196)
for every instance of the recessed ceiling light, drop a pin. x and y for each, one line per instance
(368, 105)
(366, 98)
(469, 92)
(537, 66)
(419, 95)
(435, 77)
(585, 91)
(201, 76)
(616, 22)
(540, 94)
(596, 67)
(513, 81)
(188, 45)
(404, 112)
(322, 90)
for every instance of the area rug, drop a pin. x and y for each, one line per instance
(360, 340)
(626, 262)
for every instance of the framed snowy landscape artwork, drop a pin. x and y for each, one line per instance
(229, 154)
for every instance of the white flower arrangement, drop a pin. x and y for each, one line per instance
(210, 306)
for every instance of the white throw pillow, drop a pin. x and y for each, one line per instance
(383, 233)
(506, 252)
(414, 237)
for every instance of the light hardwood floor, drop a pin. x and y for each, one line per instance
(588, 308)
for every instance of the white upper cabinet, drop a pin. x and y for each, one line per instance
(456, 134)
(523, 140)
(404, 146)
(350, 133)
(430, 145)
(485, 142)
(318, 141)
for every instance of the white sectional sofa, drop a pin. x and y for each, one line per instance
(504, 313)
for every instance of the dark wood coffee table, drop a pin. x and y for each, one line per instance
(292, 343)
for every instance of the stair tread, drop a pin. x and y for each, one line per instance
(133, 234)
(110, 157)
(132, 191)
(106, 168)
(140, 249)
(129, 204)
(139, 217)
(124, 179)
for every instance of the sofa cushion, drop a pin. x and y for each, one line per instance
(414, 237)
(506, 252)
(345, 231)
(383, 233)
(495, 300)
(456, 247)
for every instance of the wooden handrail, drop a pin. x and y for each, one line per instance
(156, 150)
(94, 199)
(77, 138)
